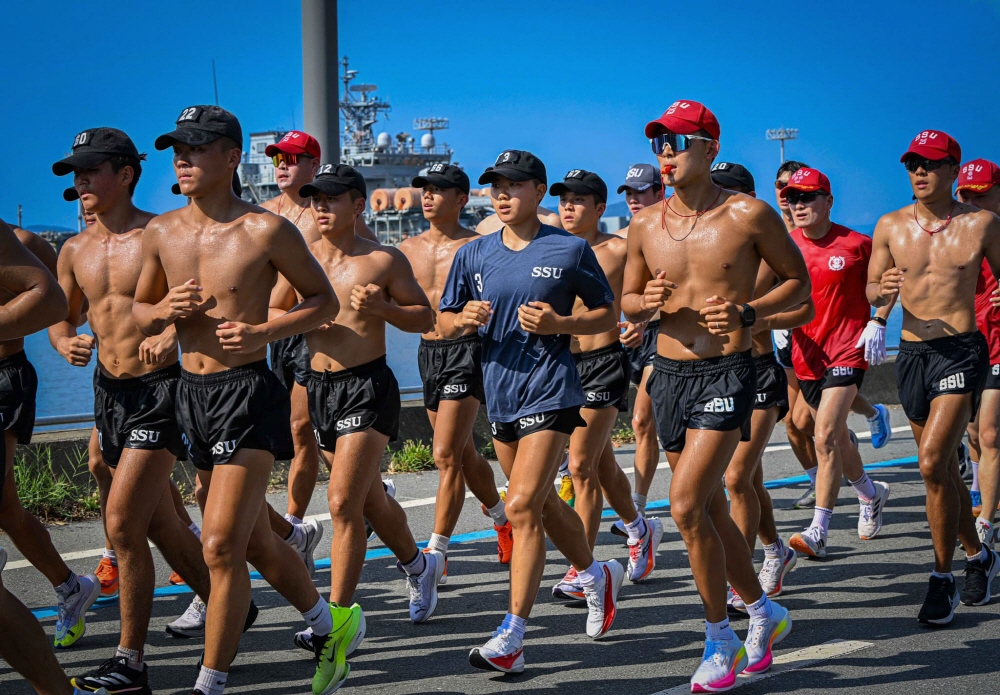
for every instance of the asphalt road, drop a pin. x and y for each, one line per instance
(865, 593)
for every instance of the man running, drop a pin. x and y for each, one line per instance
(494, 224)
(978, 186)
(208, 268)
(930, 255)
(518, 288)
(354, 406)
(604, 375)
(451, 370)
(695, 259)
(828, 364)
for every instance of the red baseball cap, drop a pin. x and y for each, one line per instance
(978, 175)
(685, 118)
(295, 142)
(934, 145)
(806, 179)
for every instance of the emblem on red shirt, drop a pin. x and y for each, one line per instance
(836, 262)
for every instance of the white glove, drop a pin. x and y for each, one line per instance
(780, 339)
(873, 338)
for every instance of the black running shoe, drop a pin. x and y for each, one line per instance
(941, 602)
(979, 575)
(248, 623)
(115, 676)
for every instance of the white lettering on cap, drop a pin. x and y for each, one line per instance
(721, 166)
(326, 169)
(678, 105)
(81, 138)
(504, 157)
(436, 168)
(292, 135)
(574, 174)
(925, 136)
(189, 114)
(633, 173)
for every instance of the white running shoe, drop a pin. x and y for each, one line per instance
(504, 652)
(811, 542)
(984, 530)
(602, 599)
(870, 514)
(569, 587)
(773, 572)
(423, 588)
(70, 623)
(192, 623)
(312, 533)
(762, 635)
(642, 552)
(721, 662)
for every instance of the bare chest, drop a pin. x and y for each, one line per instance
(108, 268)
(701, 251)
(225, 265)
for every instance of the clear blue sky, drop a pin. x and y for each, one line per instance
(573, 82)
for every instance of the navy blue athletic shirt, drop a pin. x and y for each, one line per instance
(526, 374)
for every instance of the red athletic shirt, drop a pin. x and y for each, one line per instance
(838, 267)
(987, 317)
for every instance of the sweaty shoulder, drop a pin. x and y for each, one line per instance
(489, 225)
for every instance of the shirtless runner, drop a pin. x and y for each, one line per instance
(354, 406)
(133, 393)
(695, 259)
(451, 370)
(209, 268)
(604, 368)
(494, 224)
(930, 255)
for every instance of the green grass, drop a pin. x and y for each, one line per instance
(622, 435)
(488, 451)
(412, 457)
(51, 492)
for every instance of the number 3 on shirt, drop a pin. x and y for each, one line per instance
(479, 283)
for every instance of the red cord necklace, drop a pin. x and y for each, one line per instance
(280, 201)
(944, 226)
(696, 215)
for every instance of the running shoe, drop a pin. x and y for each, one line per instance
(642, 552)
(505, 542)
(762, 635)
(807, 501)
(618, 529)
(602, 599)
(721, 662)
(504, 652)
(115, 676)
(977, 502)
(444, 574)
(979, 576)
(390, 489)
(940, 602)
(880, 426)
(107, 574)
(984, 530)
(332, 668)
(569, 587)
(854, 440)
(774, 570)
(176, 579)
(70, 623)
(566, 492)
(811, 542)
(734, 604)
(964, 462)
(304, 639)
(870, 514)
(313, 534)
(192, 623)
(423, 588)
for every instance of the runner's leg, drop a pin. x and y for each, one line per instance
(989, 459)
(834, 451)
(24, 646)
(647, 447)
(304, 468)
(800, 440)
(586, 445)
(614, 484)
(102, 476)
(745, 506)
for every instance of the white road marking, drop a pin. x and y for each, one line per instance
(791, 661)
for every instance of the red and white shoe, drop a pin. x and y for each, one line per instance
(602, 599)
(569, 587)
(642, 552)
(504, 652)
(774, 570)
(505, 542)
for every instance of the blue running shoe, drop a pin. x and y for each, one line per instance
(880, 426)
(977, 502)
(721, 662)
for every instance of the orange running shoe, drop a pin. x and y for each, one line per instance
(176, 579)
(107, 573)
(505, 542)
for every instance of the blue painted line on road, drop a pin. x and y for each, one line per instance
(379, 553)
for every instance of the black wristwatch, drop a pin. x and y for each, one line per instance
(748, 315)
(879, 320)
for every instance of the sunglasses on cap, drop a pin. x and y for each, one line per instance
(796, 197)
(288, 159)
(914, 163)
(678, 143)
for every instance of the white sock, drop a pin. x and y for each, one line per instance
(811, 472)
(637, 529)
(821, 518)
(590, 576)
(195, 530)
(515, 624)
(775, 550)
(640, 503)
(944, 575)
(975, 477)
(499, 513)
(415, 566)
(297, 538)
(319, 618)
(564, 466)
(132, 656)
(981, 556)
(438, 543)
(760, 609)
(111, 555)
(292, 519)
(211, 682)
(68, 587)
(864, 487)
(719, 631)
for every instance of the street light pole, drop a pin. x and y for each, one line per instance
(783, 134)
(320, 62)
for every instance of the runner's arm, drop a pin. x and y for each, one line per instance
(283, 298)
(409, 310)
(38, 302)
(792, 318)
(777, 249)
(992, 250)
(75, 349)
(637, 275)
(150, 317)
(42, 249)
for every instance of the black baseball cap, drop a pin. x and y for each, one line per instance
(583, 182)
(93, 147)
(237, 186)
(200, 125)
(733, 176)
(516, 165)
(443, 176)
(334, 179)
(640, 177)
(70, 194)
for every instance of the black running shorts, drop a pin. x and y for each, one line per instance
(772, 385)
(604, 374)
(451, 370)
(240, 408)
(812, 389)
(928, 369)
(290, 360)
(717, 393)
(137, 413)
(565, 421)
(353, 400)
(18, 389)
(641, 357)
(993, 378)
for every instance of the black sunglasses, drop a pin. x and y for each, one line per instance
(678, 143)
(780, 184)
(796, 197)
(914, 163)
